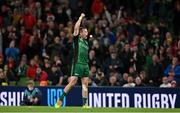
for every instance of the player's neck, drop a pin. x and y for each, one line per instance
(82, 38)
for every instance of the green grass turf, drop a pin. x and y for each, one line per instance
(33, 109)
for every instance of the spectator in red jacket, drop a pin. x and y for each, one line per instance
(31, 71)
(28, 19)
(97, 7)
(41, 75)
(24, 40)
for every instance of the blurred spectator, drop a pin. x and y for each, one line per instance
(124, 79)
(10, 74)
(61, 16)
(56, 76)
(31, 71)
(47, 65)
(55, 48)
(173, 84)
(155, 71)
(41, 75)
(21, 70)
(28, 19)
(24, 39)
(1, 61)
(137, 57)
(130, 82)
(16, 16)
(113, 63)
(11, 63)
(125, 56)
(37, 60)
(97, 7)
(12, 51)
(138, 82)
(155, 38)
(132, 72)
(92, 59)
(149, 57)
(162, 57)
(92, 83)
(32, 95)
(165, 82)
(93, 71)
(143, 77)
(100, 79)
(110, 35)
(173, 71)
(176, 17)
(3, 78)
(113, 81)
(57, 60)
(169, 39)
(33, 48)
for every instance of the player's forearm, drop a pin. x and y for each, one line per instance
(77, 25)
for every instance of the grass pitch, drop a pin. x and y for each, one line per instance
(45, 109)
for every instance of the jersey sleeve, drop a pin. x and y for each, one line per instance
(75, 37)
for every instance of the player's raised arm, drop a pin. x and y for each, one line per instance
(77, 25)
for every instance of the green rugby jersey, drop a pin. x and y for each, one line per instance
(80, 50)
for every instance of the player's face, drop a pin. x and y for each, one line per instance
(84, 33)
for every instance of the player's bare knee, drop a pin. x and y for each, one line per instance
(73, 82)
(86, 83)
(84, 87)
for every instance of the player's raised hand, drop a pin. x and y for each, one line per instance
(82, 16)
(78, 23)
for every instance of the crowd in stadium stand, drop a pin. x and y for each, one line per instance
(133, 43)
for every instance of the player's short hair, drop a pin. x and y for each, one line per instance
(81, 29)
